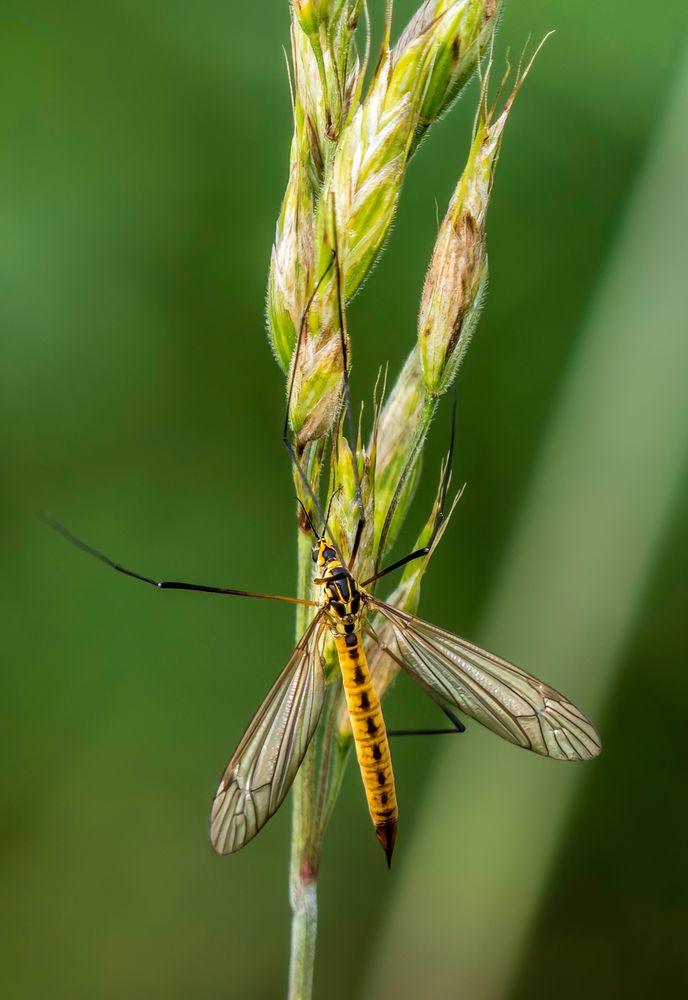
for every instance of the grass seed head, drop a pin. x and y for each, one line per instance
(402, 427)
(311, 14)
(292, 260)
(440, 50)
(317, 387)
(455, 283)
(318, 363)
(366, 175)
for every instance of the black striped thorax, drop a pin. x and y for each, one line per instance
(341, 598)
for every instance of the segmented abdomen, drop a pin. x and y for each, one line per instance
(370, 736)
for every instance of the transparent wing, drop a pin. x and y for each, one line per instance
(265, 763)
(494, 692)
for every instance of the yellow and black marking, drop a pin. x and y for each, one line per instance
(370, 737)
(342, 600)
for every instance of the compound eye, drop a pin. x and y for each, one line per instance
(314, 553)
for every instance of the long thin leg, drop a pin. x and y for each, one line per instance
(446, 477)
(351, 439)
(454, 719)
(457, 725)
(424, 732)
(162, 584)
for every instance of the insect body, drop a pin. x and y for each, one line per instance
(501, 696)
(454, 672)
(343, 603)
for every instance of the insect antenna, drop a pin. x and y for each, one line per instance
(439, 517)
(329, 511)
(349, 431)
(291, 448)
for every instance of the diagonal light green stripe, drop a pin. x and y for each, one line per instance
(565, 605)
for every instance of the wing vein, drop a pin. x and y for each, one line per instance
(494, 692)
(270, 752)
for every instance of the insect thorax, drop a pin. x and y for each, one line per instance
(341, 598)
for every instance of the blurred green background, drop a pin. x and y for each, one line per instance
(142, 163)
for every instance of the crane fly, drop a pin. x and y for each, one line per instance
(454, 672)
(506, 699)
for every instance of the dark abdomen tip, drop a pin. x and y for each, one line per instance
(386, 834)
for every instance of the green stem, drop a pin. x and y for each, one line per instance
(303, 889)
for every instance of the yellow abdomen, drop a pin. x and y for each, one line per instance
(370, 737)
